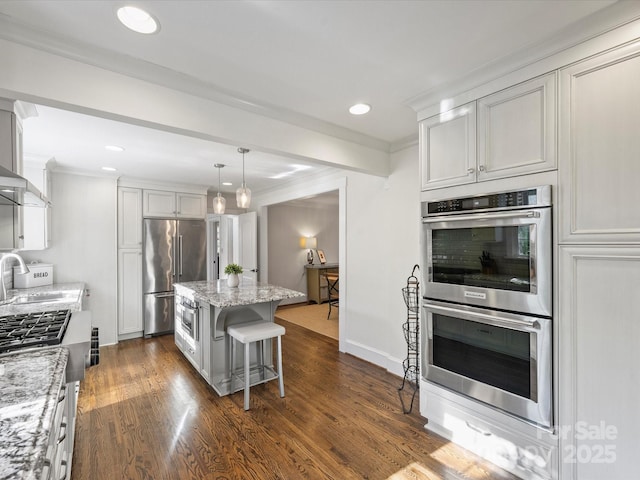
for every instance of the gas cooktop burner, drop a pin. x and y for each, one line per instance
(33, 329)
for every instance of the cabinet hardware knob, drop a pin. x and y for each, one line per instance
(481, 168)
(470, 170)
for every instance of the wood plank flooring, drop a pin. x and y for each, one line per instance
(144, 413)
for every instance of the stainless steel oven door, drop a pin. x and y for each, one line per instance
(501, 359)
(496, 260)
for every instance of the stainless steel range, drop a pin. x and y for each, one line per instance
(33, 329)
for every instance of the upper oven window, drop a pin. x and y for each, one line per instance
(497, 257)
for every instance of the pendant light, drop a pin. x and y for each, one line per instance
(219, 202)
(243, 194)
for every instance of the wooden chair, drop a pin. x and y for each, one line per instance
(333, 285)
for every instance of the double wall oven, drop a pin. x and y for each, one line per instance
(488, 299)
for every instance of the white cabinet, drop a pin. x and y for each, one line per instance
(130, 320)
(129, 217)
(513, 133)
(448, 148)
(130, 293)
(517, 130)
(599, 379)
(159, 203)
(600, 148)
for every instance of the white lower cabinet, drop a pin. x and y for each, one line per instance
(599, 355)
(130, 293)
(521, 448)
(56, 464)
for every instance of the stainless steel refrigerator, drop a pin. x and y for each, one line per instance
(174, 251)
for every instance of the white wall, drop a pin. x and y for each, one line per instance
(83, 243)
(287, 223)
(380, 231)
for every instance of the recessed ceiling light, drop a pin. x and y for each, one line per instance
(359, 109)
(114, 148)
(109, 169)
(138, 20)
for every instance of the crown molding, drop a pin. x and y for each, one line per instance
(606, 20)
(24, 34)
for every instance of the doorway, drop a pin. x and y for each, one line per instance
(283, 260)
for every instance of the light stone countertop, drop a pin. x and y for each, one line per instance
(30, 382)
(218, 294)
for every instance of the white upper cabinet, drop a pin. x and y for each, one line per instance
(513, 133)
(159, 203)
(448, 148)
(129, 217)
(600, 148)
(517, 130)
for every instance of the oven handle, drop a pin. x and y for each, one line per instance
(494, 320)
(481, 216)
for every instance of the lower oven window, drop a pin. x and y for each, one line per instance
(496, 356)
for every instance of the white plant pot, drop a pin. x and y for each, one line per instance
(233, 280)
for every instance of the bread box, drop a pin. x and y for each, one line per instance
(39, 274)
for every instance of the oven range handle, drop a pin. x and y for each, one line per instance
(481, 216)
(487, 318)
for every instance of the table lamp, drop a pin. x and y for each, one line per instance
(309, 243)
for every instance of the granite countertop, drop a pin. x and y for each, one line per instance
(30, 382)
(218, 294)
(73, 303)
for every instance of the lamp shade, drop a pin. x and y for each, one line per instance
(219, 204)
(243, 196)
(308, 242)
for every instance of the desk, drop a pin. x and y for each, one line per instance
(316, 282)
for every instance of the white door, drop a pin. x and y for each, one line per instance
(248, 245)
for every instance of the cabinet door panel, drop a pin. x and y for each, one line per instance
(191, 205)
(599, 379)
(516, 130)
(130, 291)
(157, 203)
(600, 148)
(129, 218)
(448, 148)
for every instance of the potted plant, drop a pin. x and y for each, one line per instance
(232, 270)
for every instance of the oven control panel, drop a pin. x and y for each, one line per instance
(532, 197)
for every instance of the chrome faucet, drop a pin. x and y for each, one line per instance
(22, 270)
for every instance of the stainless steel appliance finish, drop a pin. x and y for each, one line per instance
(174, 251)
(493, 251)
(187, 329)
(502, 359)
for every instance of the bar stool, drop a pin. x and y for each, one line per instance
(247, 334)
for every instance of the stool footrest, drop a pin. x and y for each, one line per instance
(258, 375)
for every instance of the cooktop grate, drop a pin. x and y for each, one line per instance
(33, 329)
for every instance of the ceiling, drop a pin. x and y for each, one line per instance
(307, 61)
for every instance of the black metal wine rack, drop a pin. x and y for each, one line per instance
(411, 331)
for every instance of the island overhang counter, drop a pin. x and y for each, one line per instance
(204, 310)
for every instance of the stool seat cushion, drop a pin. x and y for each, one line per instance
(254, 331)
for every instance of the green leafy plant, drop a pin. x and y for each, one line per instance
(232, 268)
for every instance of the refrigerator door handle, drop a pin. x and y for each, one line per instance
(173, 246)
(163, 295)
(180, 247)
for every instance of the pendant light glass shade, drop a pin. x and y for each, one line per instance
(243, 194)
(219, 202)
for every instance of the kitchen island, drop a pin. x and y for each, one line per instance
(204, 310)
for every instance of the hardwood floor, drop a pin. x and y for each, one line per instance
(144, 413)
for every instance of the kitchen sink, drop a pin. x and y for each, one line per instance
(45, 297)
